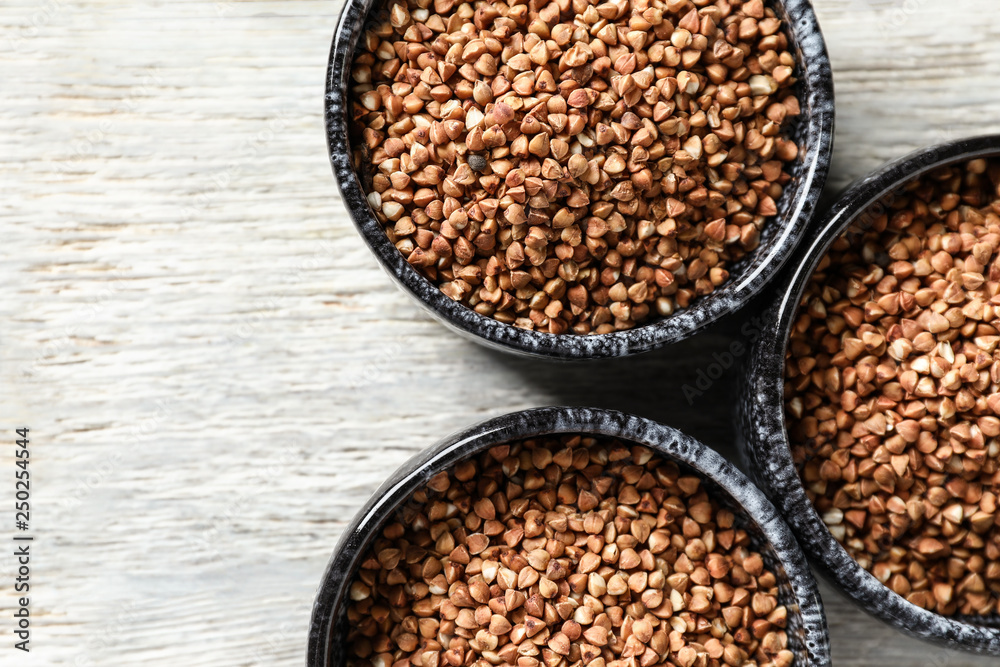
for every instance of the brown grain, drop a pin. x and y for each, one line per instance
(599, 554)
(892, 391)
(574, 167)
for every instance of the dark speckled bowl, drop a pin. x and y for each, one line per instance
(807, 629)
(814, 134)
(765, 446)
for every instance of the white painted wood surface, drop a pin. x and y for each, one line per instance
(215, 371)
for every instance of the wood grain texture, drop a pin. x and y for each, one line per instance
(215, 371)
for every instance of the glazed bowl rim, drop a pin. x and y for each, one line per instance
(877, 189)
(818, 118)
(666, 441)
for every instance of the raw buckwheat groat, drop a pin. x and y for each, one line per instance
(562, 552)
(571, 166)
(892, 391)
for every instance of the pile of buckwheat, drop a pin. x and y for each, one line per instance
(893, 391)
(571, 166)
(568, 551)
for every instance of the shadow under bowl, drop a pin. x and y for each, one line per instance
(764, 442)
(813, 132)
(807, 630)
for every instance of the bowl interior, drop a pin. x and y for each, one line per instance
(771, 456)
(813, 132)
(806, 629)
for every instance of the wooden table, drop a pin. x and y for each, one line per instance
(215, 372)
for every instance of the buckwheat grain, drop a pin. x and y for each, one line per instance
(565, 551)
(569, 166)
(892, 391)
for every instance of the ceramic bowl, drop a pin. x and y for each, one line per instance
(813, 133)
(807, 630)
(765, 446)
